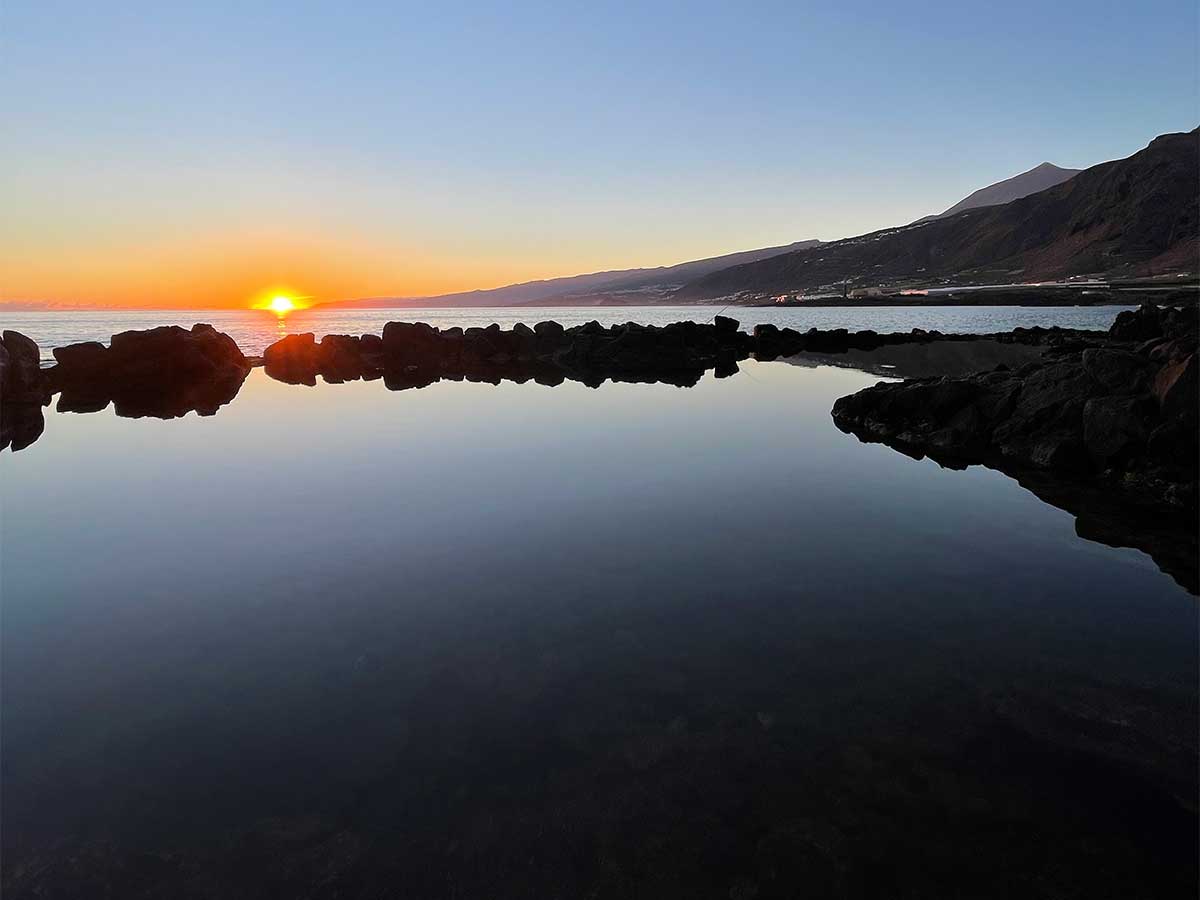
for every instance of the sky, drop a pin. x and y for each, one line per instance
(213, 154)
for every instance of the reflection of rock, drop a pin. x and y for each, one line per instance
(414, 354)
(162, 372)
(772, 342)
(924, 359)
(1121, 418)
(20, 425)
(1169, 537)
(299, 358)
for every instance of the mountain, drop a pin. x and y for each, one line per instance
(1134, 216)
(1039, 178)
(625, 285)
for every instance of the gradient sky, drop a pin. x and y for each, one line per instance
(200, 154)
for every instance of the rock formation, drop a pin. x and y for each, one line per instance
(162, 372)
(1120, 417)
(415, 354)
(22, 391)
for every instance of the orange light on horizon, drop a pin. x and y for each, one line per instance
(281, 305)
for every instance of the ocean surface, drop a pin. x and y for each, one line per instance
(476, 640)
(254, 330)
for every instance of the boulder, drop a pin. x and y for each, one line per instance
(89, 356)
(293, 359)
(1175, 388)
(725, 325)
(1139, 324)
(525, 341)
(1116, 370)
(550, 337)
(1115, 426)
(1126, 418)
(21, 379)
(411, 343)
(163, 372)
(339, 358)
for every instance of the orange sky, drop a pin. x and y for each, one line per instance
(243, 270)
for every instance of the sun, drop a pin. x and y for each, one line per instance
(281, 305)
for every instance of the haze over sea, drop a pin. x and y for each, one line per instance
(255, 329)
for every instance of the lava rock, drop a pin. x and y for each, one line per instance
(163, 372)
(21, 378)
(293, 359)
(1107, 414)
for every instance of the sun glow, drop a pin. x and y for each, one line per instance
(280, 300)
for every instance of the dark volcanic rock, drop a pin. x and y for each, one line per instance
(417, 354)
(90, 357)
(1144, 323)
(162, 372)
(293, 359)
(23, 392)
(1122, 417)
(20, 370)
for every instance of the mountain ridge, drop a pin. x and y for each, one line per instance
(1132, 216)
(651, 281)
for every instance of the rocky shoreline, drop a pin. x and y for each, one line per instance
(1107, 430)
(170, 371)
(1102, 424)
(1120, 412)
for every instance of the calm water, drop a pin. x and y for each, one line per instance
(255, 329)
(634, 641)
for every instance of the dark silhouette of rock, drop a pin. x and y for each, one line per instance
(161, 372)
(90, 357)
(926, 359)
(293, 359)
(415, 354)
(1123, 418)
(20, 370)
(23, 391)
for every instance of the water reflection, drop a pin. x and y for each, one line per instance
(1171, 541)
(508, 641)
(918, 360)
(153, 397)
(21, 424)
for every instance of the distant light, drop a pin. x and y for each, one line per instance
(282, 305)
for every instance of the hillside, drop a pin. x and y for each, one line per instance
(640, 285)
(1135, 216)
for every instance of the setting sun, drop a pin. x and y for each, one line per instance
(282, 304)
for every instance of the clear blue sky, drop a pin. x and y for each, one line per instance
(436, 145)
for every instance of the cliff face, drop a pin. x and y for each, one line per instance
(1134, 216)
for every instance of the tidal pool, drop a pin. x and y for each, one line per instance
(483, 640)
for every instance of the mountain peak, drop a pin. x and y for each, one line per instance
(1041, 177)
(1132, 217)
